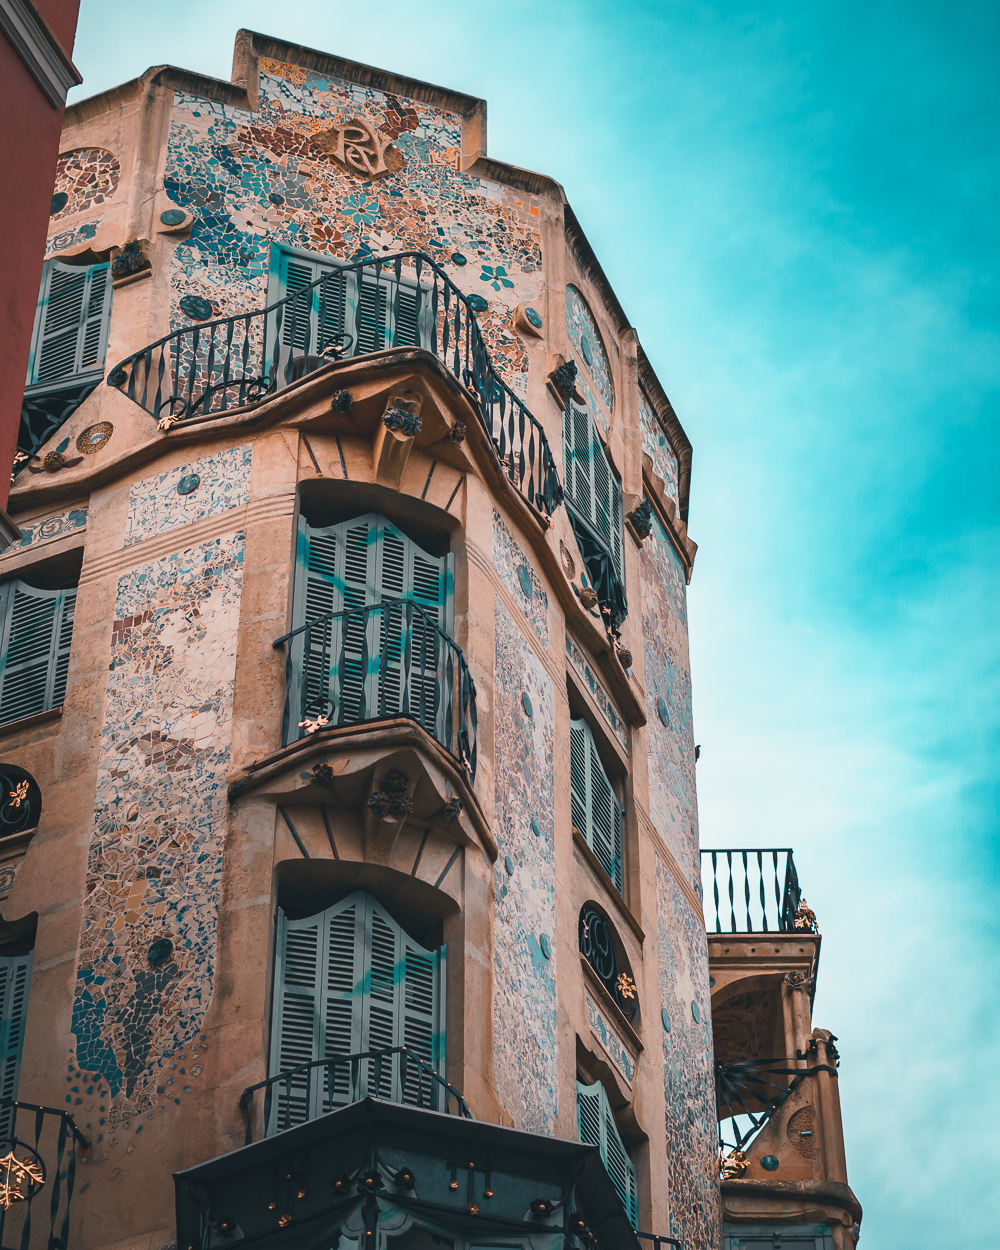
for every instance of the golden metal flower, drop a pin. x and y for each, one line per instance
(734, 1165)
(17, 1176)
(19, 793)
(310, 726)
(626, 986)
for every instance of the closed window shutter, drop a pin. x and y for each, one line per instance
(349, 981)
(596, 810)
(15, 980)
(597, 1127)
(594, 491)
(36, 631)
(71, 323)
(360, 563)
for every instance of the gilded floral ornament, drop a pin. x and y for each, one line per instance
(805, 918)
(312, 724)
(19, 1179)
(626, 986)
(734, 1165)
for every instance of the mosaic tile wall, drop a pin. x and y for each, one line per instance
(155, 860)
(156, 504)
(669, 743)
(524, 953)
(520, 578)
(601, 697)
(614, 1047)
(656, 445)
(44, 528)
(66, 240)
(688, 1067)
(87, 177)
(591, 357)
(253, 179)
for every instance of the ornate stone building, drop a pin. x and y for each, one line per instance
(352, 891)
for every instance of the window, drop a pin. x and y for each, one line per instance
(597, 1127)
(15, 978)
(597, 814)
(348, 981)
(352, 311)
(68, 344)
(594, 499)
(362, 661)
(600, 946)
(36, 629)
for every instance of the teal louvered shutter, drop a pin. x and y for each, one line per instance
(15, 981)
(390, 313)
(349, 981)
(591, 486)
(596, 811)
(597, 1127)
(71, 322)
(36, 630)
(358, 663)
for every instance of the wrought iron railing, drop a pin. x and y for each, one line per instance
(367, 664)
(313, 1089)
(37, 1175)
(753, 891)
(658, 1240)
(401, 300)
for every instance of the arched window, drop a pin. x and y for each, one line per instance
(36, 629)
(380, 609)
(599, 945)
(597, 1127)
(351, 981)
(597, 813)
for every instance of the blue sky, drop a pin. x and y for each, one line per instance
(797, 206)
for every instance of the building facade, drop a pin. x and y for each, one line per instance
(353, 877)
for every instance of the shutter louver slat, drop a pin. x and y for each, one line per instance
(297, 1023)
(15, 973)
(92, 354)
(598, 1127)
(71, 322)
(596, 811)
(340, 1015)
(407, 327)
(370, 327)
(298, 315)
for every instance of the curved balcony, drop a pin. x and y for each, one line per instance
(374, 663)
(215, 367)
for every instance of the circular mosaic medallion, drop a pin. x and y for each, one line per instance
(662, 711)
(526, 703)
(695, 1012)
(160, 951)
(508, 863)
(458, 259)
(188, 483)
(532, 318)
(195, 307)
(94, 437)
(666, 1020)
(545, 944)
(59, 202)
(536, 828)
(524, 577)
(276, 199)
(586, 350)
(173, 216)
(769, 1163)
(477, 303)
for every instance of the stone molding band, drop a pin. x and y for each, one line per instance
(29, 35)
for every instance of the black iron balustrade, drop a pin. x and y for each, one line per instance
(365, 664)
(37, 1174)
(312, 1089)
(658, 1239)
(753, 891)
(598, 949)
(403, 300)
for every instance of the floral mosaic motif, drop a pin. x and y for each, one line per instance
(524, 952)
(253, 179)
(155, 860)
(613, 1045)
(155, 504)
(600, 695)
(688, 1067)
(87, 176)
(42, 529)
(520, 578)
(657, 447)
(673, 805)
(69, 240)
(586, 339)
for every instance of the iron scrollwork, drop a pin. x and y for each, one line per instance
(598, 949)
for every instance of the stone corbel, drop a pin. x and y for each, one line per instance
(394, 439)
(389, 802)
(130, 262)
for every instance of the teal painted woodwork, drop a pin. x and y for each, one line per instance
(592, 490)
(70, 334)
(36, 629)
(15, 981)
(596, 811)
(596, 1125)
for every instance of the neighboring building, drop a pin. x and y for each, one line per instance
(353, 873)
(35, 75)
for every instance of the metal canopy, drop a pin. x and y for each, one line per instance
(373, 1160)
